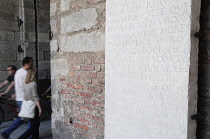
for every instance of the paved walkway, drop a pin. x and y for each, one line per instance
(45, 130)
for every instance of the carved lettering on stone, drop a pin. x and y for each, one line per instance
(147, 69)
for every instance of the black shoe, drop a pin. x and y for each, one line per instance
(4, 136)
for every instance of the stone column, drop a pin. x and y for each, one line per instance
(151, 69)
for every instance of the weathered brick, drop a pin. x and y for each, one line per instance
(86, 81)
(95, 82)
(77, 100)
(88, 136)
(97, 118)
(81, 74)
(101, 75)
(87, 67)
(87, 102)
(100, 126)
(72, 62)
(89, 61)
(98, 68)
(96, 132)
(86, 108)
(100, 61)
(64, 91)
(75, 80)
(74, 86)
(102, 68)
(68, 97)
(92, 74)
(80, 61)
(102, 82)
(97, 103)
(94, 89)
(62, 79)
(80, 126)
(75, 67)
(94, 125)
(84, 94)
(100, 97)
(86, 128)
(76, 107)
(71, 73)
(83, 120)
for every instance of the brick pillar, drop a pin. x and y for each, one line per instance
(78, 68)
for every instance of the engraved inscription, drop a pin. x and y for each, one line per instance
(147, 68)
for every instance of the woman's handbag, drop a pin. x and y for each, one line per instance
(27, 109)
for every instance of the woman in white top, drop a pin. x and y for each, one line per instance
(30, 93)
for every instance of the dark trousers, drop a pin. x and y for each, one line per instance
(33, 130)
(18, 122)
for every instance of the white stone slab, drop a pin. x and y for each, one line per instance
(83, 42)
(83, 19)
(148, 60)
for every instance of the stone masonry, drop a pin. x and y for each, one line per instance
(43, 28)
(77, 66)
(10, 34)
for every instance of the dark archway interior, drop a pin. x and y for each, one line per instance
(25, 32)
(203, 119)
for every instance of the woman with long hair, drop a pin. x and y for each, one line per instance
(30, 94)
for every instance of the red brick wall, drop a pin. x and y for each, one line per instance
(85, 88)
(78, 78)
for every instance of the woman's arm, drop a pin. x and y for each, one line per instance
(36, 98)
(39, 107)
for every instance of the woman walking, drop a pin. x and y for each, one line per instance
(30, 94)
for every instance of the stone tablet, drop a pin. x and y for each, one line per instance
(151, 74)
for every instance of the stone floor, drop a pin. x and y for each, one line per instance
(45, 130)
